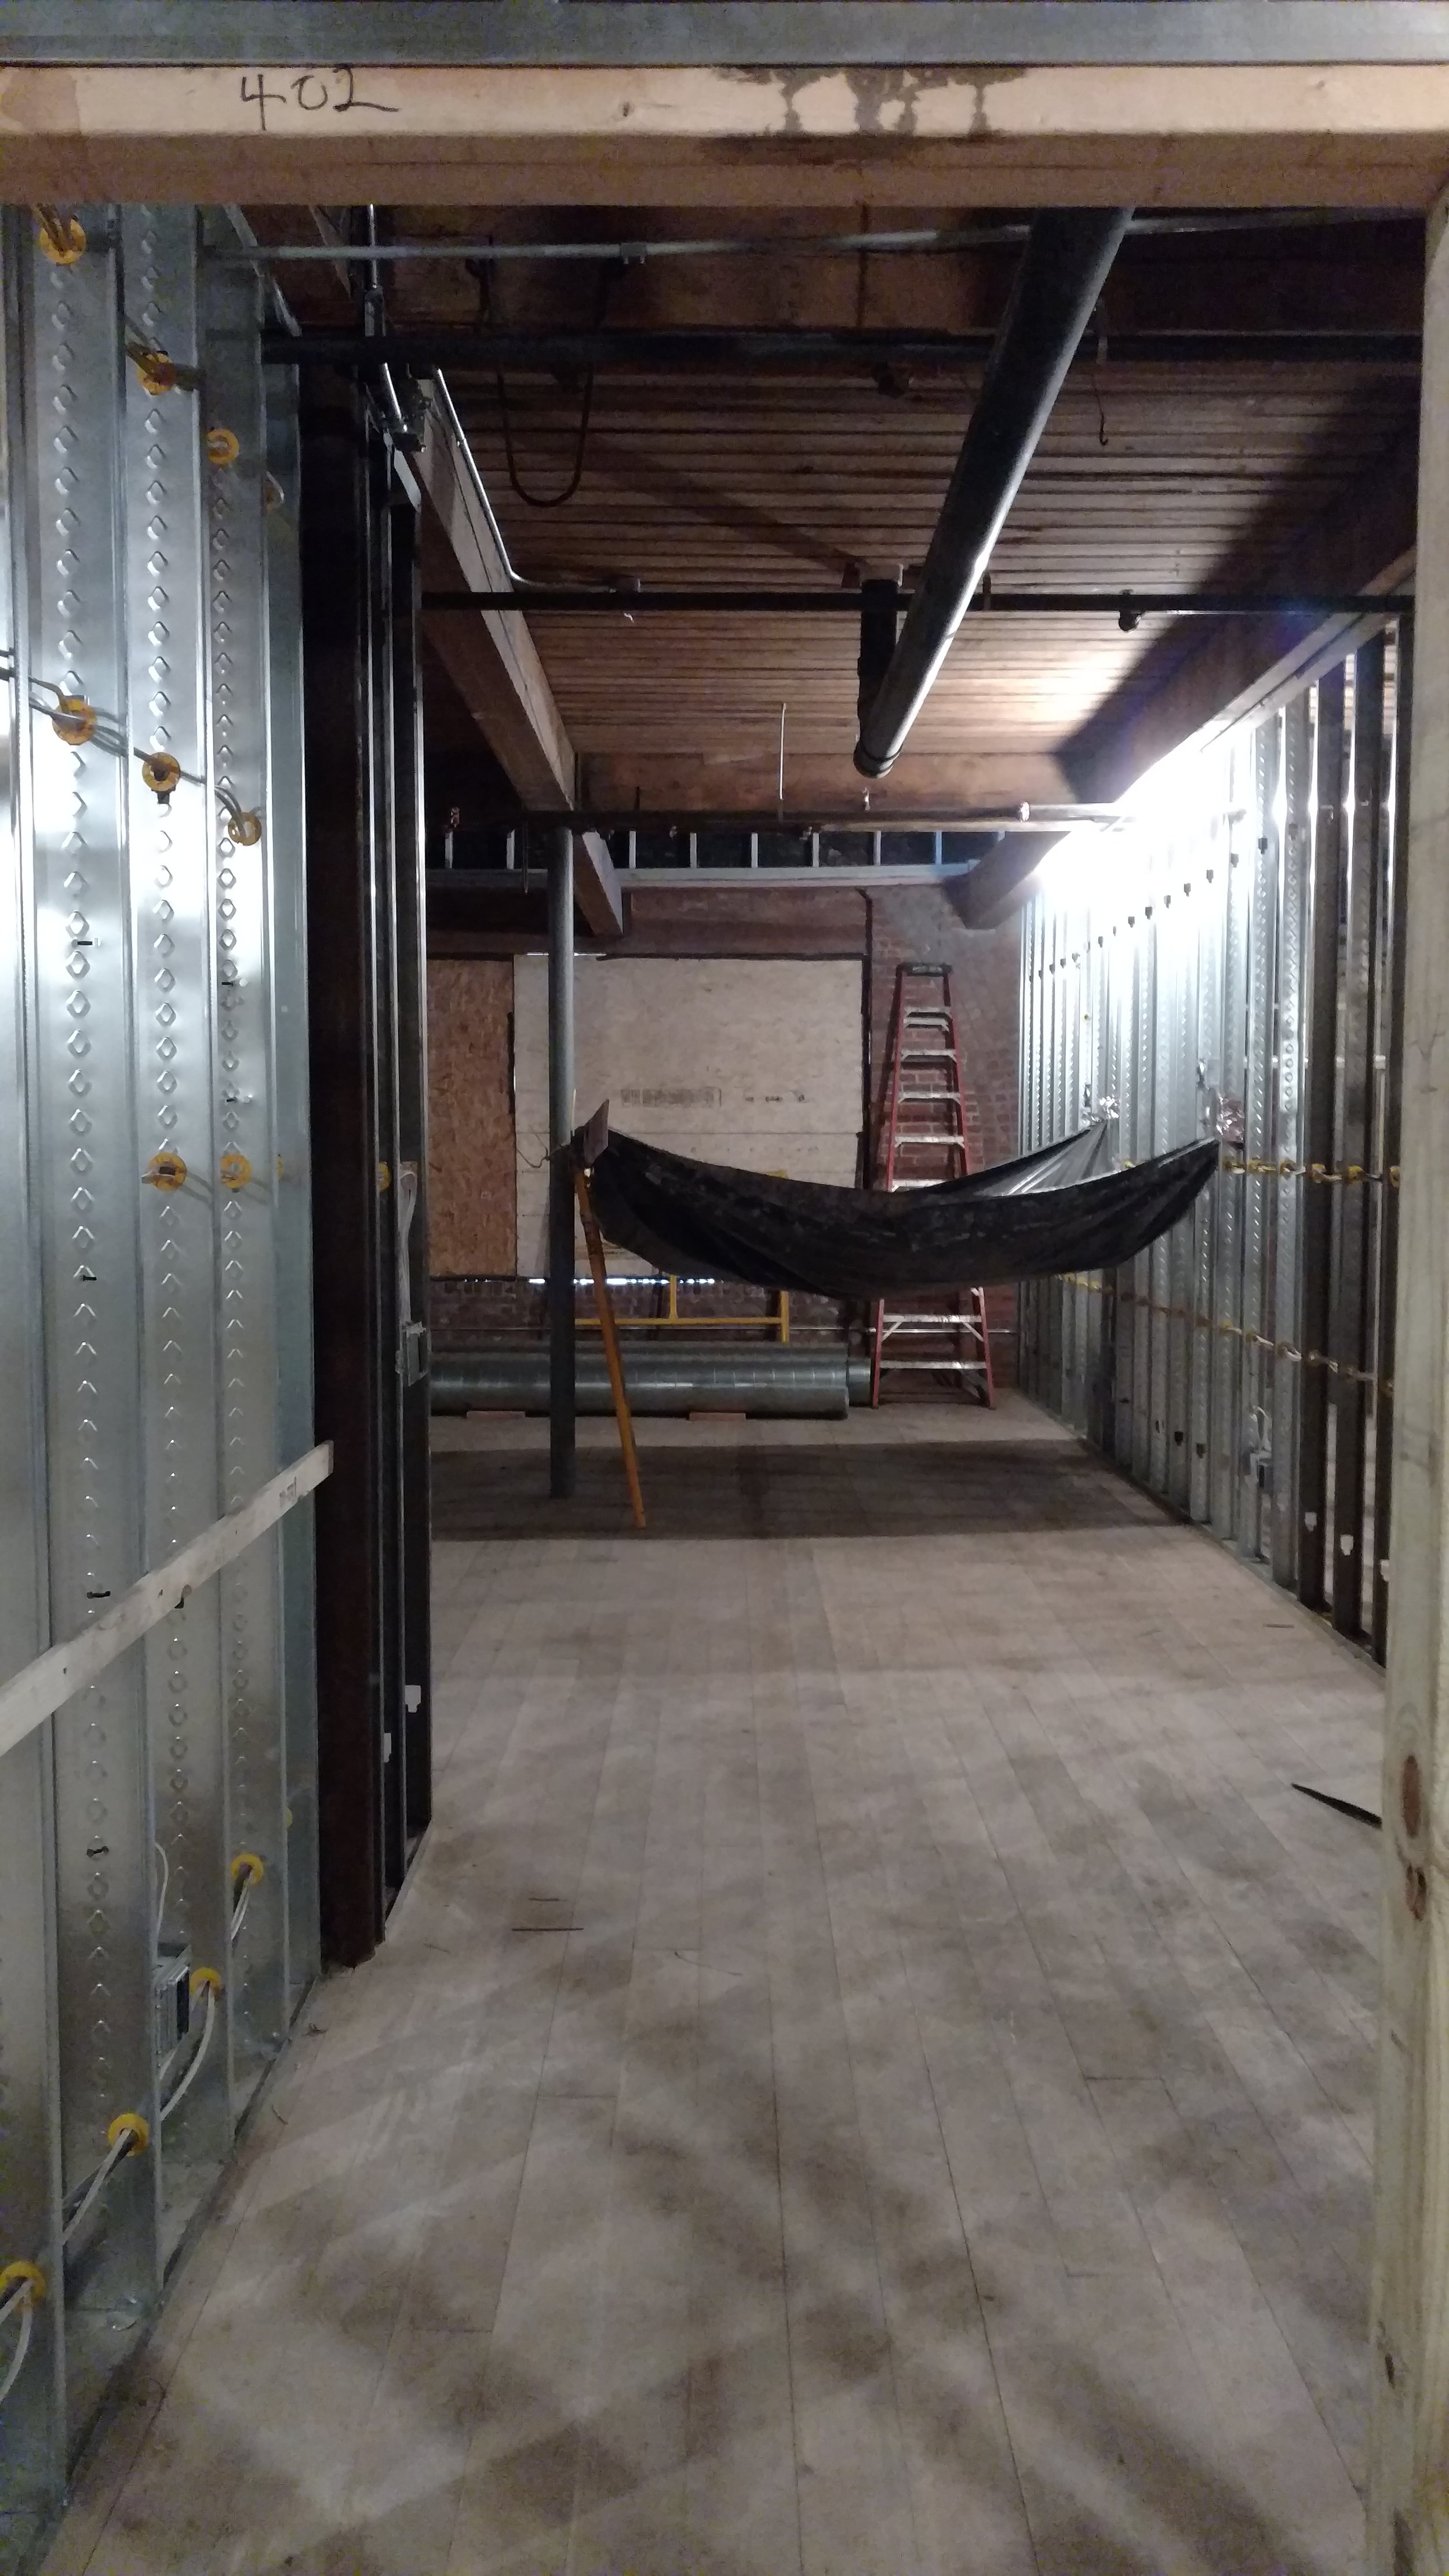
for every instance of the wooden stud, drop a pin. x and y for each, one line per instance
(595, 1242)
(1409, 2367)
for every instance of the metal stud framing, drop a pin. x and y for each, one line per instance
(1228, 959)
(153, 1229)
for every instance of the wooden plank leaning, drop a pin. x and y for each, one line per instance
(45, 1685)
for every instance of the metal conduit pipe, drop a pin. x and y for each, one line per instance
(748, 1377)
(1062, 273)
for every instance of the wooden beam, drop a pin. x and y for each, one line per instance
(1409, 2353)
(492, 660)
(494, 665)
(598, 894)
(1359, 135)
(1364, 542)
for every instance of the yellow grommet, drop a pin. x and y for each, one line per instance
(74, 719)
(223, 447)
(61, 237)
(156, 371)
(236, 1171)
(384, 1176)
(16, 2273)
(165, 1171)
(161, 771)
(244, 828)
(130, 2124)
(205, 1980)
(252, 1863)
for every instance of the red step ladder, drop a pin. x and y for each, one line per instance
(926, 1140)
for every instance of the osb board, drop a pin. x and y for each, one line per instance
(755, 1061)
(470, 1117)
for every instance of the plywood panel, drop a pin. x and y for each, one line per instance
(753, 1061)
(470, 1117)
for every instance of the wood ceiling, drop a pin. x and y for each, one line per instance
(1211, 472)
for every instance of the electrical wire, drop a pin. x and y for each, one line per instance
(254, 1874)
(194, 2065)
(541, 500)
(115, 2154)
(24, 2299)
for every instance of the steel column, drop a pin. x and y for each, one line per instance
(1256, 1444)
(1325, 907)
(562, 1462)
(33, 2453)
(1349, 1341)
(174, 933)
(1294, 932)
(338, 577)
(86, 1139)
(286, 839)
(1227, 1360)
(1390, 1139)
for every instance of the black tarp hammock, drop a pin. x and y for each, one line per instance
(1063, 1208)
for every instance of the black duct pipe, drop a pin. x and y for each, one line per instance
(1062, 273)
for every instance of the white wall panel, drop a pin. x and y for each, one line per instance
(732, 1060)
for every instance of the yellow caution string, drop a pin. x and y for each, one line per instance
(1231, 1330)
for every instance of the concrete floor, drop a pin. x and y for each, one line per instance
(871, 2073)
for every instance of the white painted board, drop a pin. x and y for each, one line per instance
(754, 1061)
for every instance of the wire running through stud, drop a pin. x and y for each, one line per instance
(61, 237)
(161, 772)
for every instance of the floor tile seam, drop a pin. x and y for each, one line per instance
(1303, 1968)
(791, 2368)
(1194, 2146)
(1144, 1823)
(1025, 2111)
(1323, 2111)
(1126, 1894)
(1232, 2435)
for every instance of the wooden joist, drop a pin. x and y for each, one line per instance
(494, 665)
(1365, 134)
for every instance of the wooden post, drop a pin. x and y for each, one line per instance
(1409, 2363)
(605, 1302)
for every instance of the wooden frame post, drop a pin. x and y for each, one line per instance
(610, 1338)
(1409, 2364)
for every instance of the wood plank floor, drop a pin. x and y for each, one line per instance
(871, 2074)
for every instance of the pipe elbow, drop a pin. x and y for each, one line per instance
(868, 765)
